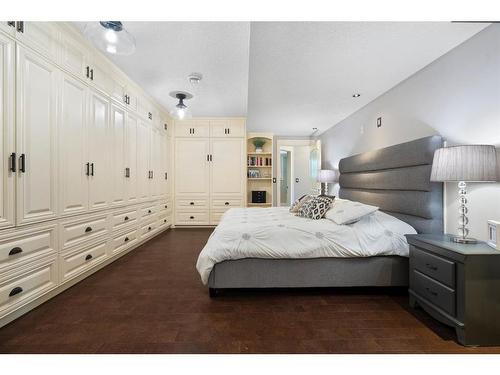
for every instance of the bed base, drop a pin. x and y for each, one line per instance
(384, 271)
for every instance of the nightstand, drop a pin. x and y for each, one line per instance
(458, 285)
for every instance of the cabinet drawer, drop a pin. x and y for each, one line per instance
(123, 241)
(191, 204)
(192, 218)
(435, 292)
(75, 232)
(75, 262)
(17, 248)
(124, 218)
(148, 211)
(164, 206)
(148, 229)
(434, 266)
(27, 284)
(222, 204)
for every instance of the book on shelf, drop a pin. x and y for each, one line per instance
(259, 161)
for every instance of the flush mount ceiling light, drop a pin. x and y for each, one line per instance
(356, 95)
(195, 78)
(111, 37)
(181, 111)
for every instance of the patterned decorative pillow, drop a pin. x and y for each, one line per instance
(299, 202)
(315, 208)
(345, 211)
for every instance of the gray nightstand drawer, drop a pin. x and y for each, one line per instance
(434, 266)
(438, 294)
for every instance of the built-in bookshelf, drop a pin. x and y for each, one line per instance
(260, 169)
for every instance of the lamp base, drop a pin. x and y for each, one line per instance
(467, 241)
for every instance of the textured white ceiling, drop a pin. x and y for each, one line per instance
(286, 77)
(167, 52)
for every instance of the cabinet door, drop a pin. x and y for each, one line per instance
(227, 166)
(118, 173)
(99, 74)
(74, 56)
(73, 158)
(7, 147)
(164, 174)
(156, 162)
(36, 138)
(192, 173)
(227, 128)
(132, 99)
(42, 37)
(117, 87)
(98, 151)
(131, 159)
(192, 128)
(143, 167)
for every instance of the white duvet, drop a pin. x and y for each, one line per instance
(276, 233)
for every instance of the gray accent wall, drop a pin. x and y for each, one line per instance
(456, 96)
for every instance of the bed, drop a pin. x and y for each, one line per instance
(292, 252)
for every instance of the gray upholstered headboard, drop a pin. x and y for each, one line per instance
(397, 179)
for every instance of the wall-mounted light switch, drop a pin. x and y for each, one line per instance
(379, 122)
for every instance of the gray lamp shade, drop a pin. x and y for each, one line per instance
(465, 163)
(327, 175)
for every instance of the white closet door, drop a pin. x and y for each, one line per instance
(131, 159)
(118, 173)
(143, 166)
(73, 158)
(99, 151)
(155, 161)
(7, 147)
(227, 166)
(36, 138)
(164, 174)
(192, 172)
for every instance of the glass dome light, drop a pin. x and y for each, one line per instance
(110, 37)
(181, 110)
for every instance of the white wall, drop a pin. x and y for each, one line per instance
(457, 96)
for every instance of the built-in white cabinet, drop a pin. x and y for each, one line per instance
(36, 99)
(119, 170)
(43, 37)
(143, 170)
(7, 148)
(8, 27)
(210, 165)
(131, 153)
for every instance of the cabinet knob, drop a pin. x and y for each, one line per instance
(125, 218)
(164, 220)
(431, 267)
(15, 291)
(88, 257)
(226, 204)
(191, 203)
(166, 206)
(88, 229)
(149, 228)
(191, 217)
(126, 239)
(15, 250)
(149, 211)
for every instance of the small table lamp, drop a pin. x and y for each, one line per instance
(468, 163)
(326, 176)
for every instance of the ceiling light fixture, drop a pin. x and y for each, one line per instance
(356, 95)
(111, 37)
(181, 110)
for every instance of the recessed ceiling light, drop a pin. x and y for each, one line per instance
(356, 95)
(195, 78)
(314, 129)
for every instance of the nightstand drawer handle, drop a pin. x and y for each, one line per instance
(431, 267)
(15, 291)
(431, 292)
(88, 257)
(88, 229)
(15, 250)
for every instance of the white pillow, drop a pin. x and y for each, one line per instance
(344, 211)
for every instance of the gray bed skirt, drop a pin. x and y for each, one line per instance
(316, 272)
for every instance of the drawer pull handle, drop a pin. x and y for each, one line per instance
(431, 292)
(125, 218)
(191, 217)
(126, 239)
(166, 206)
(165, 220)
(88, 257)
(149, 211)
(149, 228)
(226, 204)
(15, 291)
(431, 267)
(15, 250)
(191, 203)
(88, 229)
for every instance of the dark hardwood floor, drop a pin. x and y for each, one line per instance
(152, 301)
